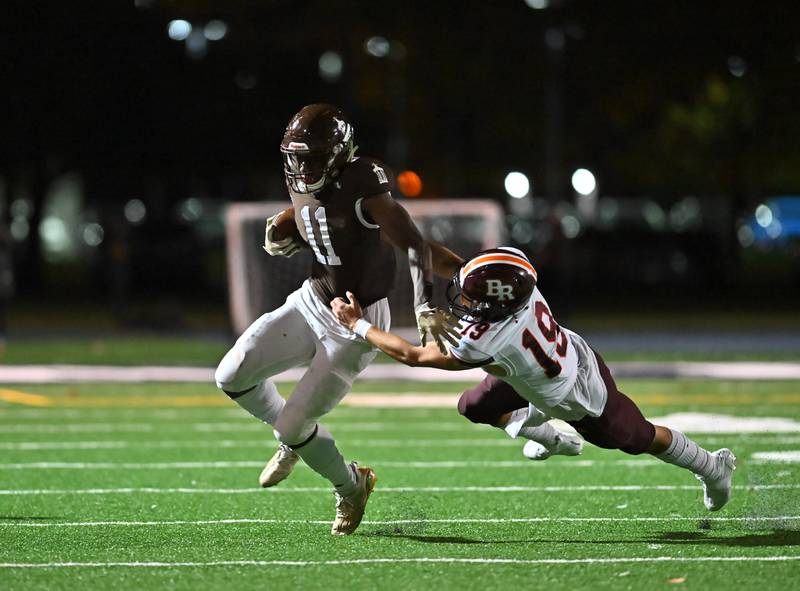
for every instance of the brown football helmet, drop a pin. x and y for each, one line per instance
(492, 285)
(317, 142)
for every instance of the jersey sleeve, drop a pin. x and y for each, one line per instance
(468, 353)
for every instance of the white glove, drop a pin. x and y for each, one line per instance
(285, 248)
(441, 325)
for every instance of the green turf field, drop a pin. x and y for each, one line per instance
(152, 486)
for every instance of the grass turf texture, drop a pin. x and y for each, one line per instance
(627, 537)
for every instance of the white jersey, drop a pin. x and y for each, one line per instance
(550, 366)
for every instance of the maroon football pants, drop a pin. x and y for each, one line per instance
(620, 426)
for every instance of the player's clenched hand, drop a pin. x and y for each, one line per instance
(347, 313)
(285, 247)
(441, 325)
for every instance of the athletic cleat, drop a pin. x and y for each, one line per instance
(566, 445)
(717, 489)
(279, 466)
(350, 508)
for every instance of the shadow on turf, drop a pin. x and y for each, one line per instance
(441, 539)
(778, 537)
(782, 537)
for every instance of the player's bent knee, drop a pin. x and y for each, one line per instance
(472, 406)
(640, 439)
(227, 374)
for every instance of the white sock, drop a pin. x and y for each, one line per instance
(322, 456)
(687, 454)
(544, 433)
(263, 402)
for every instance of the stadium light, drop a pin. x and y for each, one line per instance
(179, 30)
(764, 216)
(377, 46)
(538, 4)
(215, 30)
(583, 181)
(517, 185)
(330, 66)
(93, 234)
(135, 211)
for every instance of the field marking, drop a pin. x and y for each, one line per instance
(789, 457)
(396, 489)
(17, 397)
(64, 373)
(269, 446)
(484, 521)
(81, 428)
(376, 400)
(419, 560)
(377, 463)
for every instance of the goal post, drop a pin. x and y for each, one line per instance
(259, 283)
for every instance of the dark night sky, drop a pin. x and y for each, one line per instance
(101, 86)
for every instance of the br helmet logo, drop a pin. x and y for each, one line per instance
(496, 288)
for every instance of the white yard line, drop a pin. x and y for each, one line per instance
(400, 489)
(453, 521)
(377, 463)
(268, 445)
(732, 370)
(230, 427)
(420, 560)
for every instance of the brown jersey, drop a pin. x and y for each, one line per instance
(349, 254)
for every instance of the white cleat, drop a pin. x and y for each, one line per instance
(279, 466)
(350, 508)
(566, 445)
(717, 489)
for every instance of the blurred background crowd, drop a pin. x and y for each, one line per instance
(646, 154)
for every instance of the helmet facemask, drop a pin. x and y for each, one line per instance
(312, 156)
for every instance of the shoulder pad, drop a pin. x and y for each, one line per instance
(369, 175)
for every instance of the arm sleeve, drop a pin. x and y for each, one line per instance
(468, 354)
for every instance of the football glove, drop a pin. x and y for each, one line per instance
(285, 248)
(441, 325)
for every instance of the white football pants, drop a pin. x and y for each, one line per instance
(303, 330)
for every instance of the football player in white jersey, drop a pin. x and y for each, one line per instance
(539, 370)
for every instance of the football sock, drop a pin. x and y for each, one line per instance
(321, 455)
(545, 433)
(687, 454)
(263, 402)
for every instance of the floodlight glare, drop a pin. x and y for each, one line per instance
(179, 30)
(583, 181)
(517, 185)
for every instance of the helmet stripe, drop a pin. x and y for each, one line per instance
(488, 259)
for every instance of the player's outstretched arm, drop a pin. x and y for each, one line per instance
(398, 227)
(445, 262)
(350, 315)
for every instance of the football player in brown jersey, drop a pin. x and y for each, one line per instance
(539, 370)
(343, 211)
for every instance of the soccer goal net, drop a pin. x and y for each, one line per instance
(259, 282)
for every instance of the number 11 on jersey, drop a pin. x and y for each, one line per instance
(322, 223)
